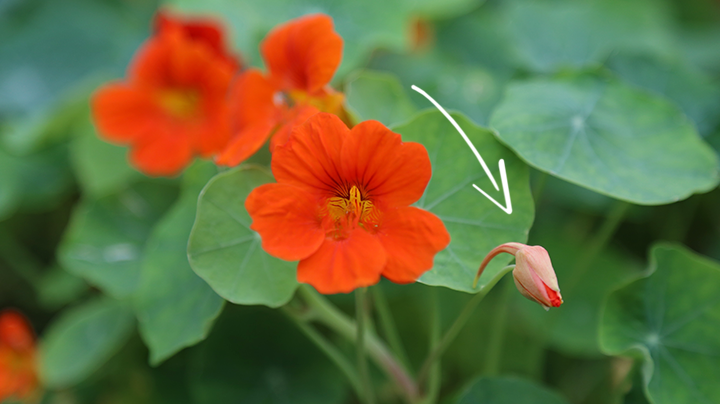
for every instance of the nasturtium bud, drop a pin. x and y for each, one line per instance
(533, 274)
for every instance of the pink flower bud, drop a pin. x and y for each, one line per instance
(534, 275)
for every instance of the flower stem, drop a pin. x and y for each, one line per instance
(388, 325)
(497, 329)
(361, 313)
(457, 326)
(329, 349)
(433, 388)
(333, 318)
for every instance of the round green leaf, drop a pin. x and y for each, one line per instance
(475, 224)
(607, 137)
(106, 237)
(227, 254)
(175, 308)
(670, 319)
(507, 390)
(81, 340)
(379, 96)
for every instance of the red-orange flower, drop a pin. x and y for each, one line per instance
(341, 206)
(18, 375)
(173, 104)
(301, 56)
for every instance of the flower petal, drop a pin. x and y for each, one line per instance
(311, 159)
(287, 219)
(244, 145)
(123, 113)
(296, 116)
(252, 98)
(340, 266)
(304, 53)
(411, 237)
(393, 173)
(165, 153)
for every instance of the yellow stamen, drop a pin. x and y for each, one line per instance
(180, 103)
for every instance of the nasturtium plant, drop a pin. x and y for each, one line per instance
(668, 320)
(227, 254)
(507, 391)
(370, 92)
(608, 137)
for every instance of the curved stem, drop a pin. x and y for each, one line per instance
(330, 350)
(361, 311)
(497, 329)
(458, 325)
(330, 316)
(433, 388)
(388, 325)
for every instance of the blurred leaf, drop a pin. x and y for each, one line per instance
(470, 89)
(81, 340)
(379, 96)
(699, 46)
(506, 390)
(475, 224)
(670, 319)
(227, 254)
(555, 34)
(101, 168)
(697, 95)
(57, 288)
(106, 237)
(273, 364)
(607, 137)
(174, 306)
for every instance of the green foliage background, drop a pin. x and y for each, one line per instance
(606, 112)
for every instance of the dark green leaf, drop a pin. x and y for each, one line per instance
(505, 390)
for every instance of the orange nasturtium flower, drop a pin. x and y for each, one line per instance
(341, 206)
(173, 104)
(18, 372)
(301, 57)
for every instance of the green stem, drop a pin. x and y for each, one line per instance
(598, 242)
(497, 329)
(457, 326)
(330, 316)
(329, 349)
(361, 313)
(433, 388)
(388, 325)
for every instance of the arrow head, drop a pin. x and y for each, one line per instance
(506, 190)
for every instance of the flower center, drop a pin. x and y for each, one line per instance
(347, 211)
(180, 103)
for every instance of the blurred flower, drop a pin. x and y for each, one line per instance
(18, 374)
(341, 206)
(301, 57)
(173, 104)
(533, 274)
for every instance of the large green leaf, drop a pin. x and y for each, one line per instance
(81, 340)
(174, 306)
(670, 319)
(101, 168)
(230, 368)
(566, 33)
(608, 137)
(379, 96)
(697, 94)
(106, 237)
(475, 224)
(227, 254)
(507, 390)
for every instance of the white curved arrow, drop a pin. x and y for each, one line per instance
(501, 164)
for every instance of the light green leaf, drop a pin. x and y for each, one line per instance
(57, 288)
(106, 237)
(81, 340)
(507, 390)
(174, 306)
(695, 93)
(379, 96)
(607, 137)
(227, 254)
(475, 224)
(552, 35)
(670, 319)
(101, 168)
